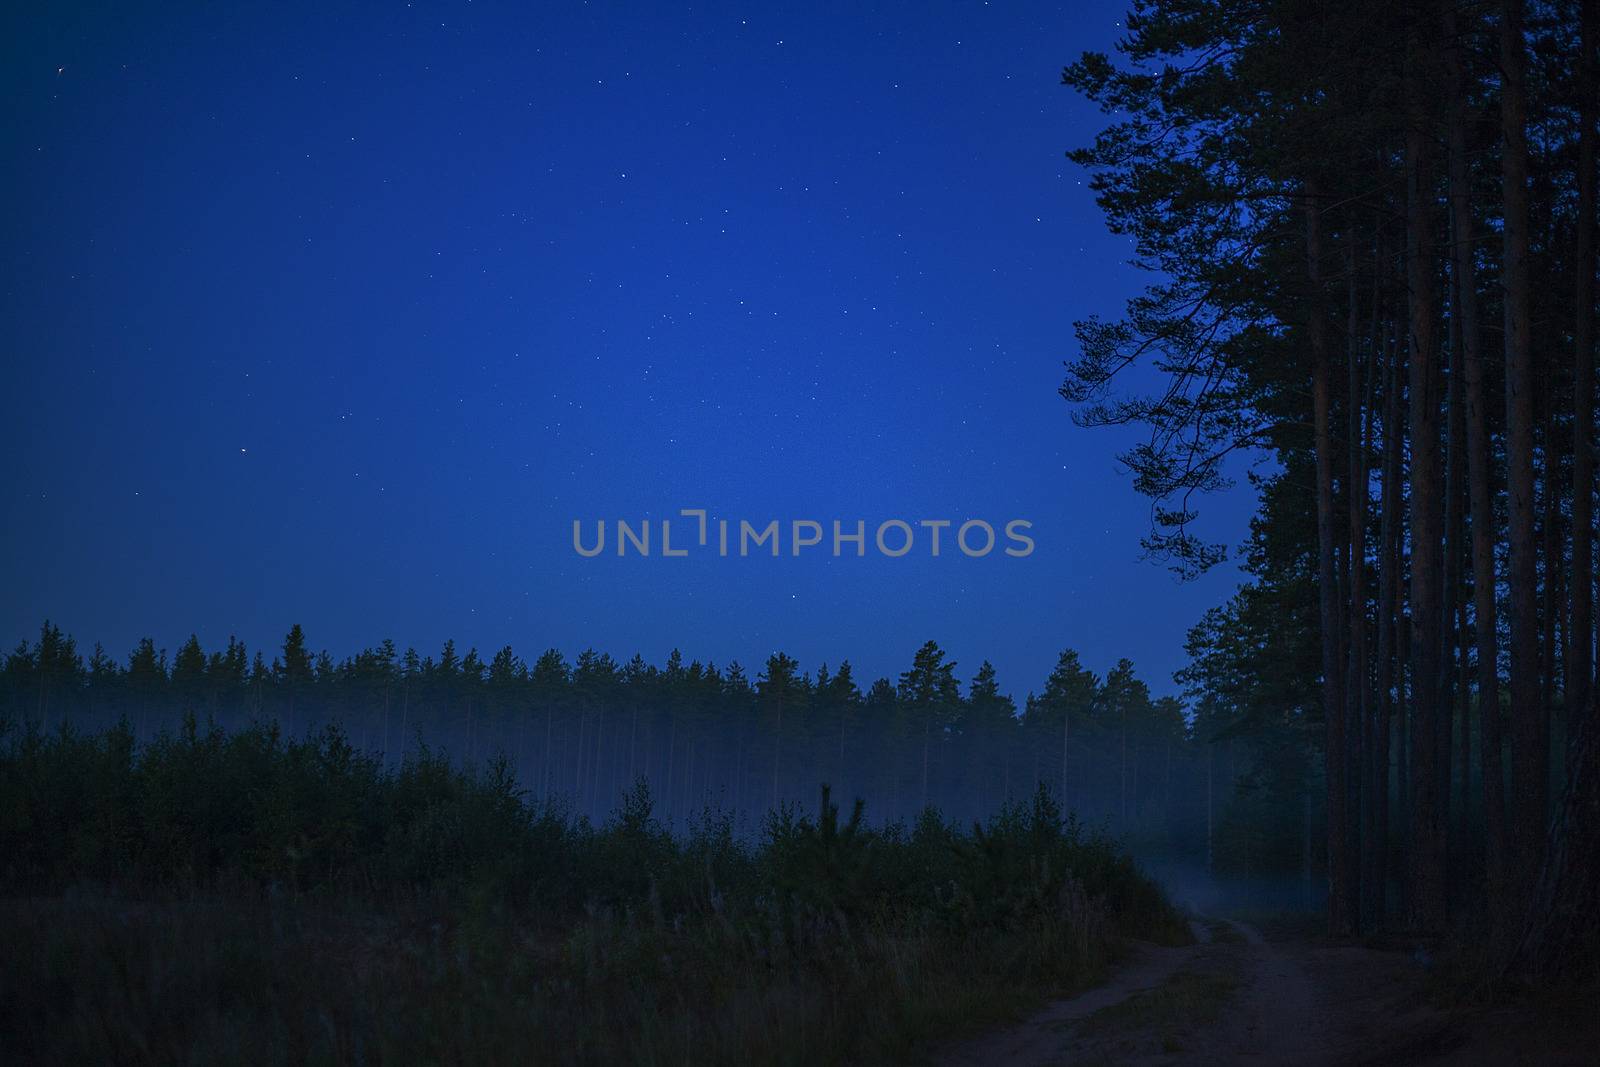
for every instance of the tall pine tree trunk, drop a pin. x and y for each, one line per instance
(1341, 912)
(1427, 903)
(1529, 724)
(1580, 668)
(1480, 474)
(1388, 680)
(1455, 531)
(1553, 548)
(1358, 726)
(1464, 821)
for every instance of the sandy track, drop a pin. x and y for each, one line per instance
(1289, 1003)
(1039, 1040)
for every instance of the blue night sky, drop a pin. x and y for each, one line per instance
(342, 318)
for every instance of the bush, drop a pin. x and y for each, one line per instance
(246, 897)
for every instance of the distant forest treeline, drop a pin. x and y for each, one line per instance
(704, 736)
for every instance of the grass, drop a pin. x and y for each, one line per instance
(243, 899)
(213, 978)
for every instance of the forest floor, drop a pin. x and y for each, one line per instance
(1236, 996)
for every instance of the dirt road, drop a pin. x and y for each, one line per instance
(1235, 997)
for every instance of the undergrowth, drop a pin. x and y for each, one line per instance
(213, 897)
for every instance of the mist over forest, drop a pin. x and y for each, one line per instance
(701, 737)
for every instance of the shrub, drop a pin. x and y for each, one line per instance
(251, 898)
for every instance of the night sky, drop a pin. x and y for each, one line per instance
(342, 319)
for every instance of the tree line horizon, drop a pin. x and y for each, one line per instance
(699, 734)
